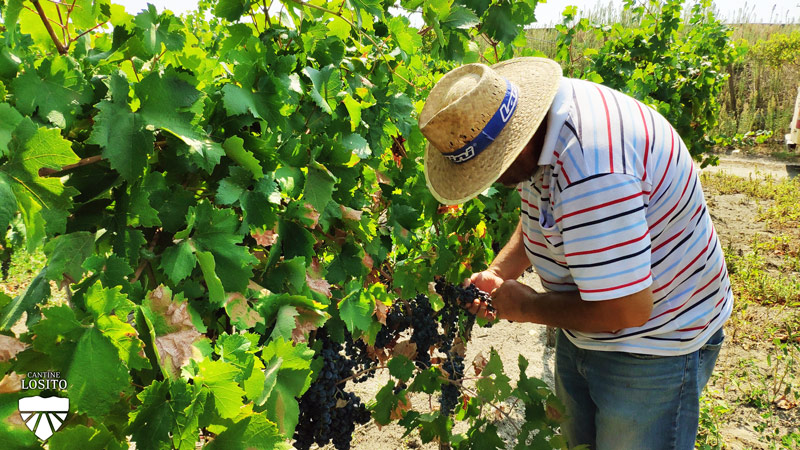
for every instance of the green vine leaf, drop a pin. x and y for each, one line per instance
(178, 261)
(66, 254)
(218, 377)
(96, 437)
(56, 91)
(234, 148)
(121, 133)
(37, 292)
(43, 202)
(9, 119)
(96, 358)
(253, 431)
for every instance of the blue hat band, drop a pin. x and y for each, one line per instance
(492, 129)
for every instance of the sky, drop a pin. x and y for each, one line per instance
(753, 11)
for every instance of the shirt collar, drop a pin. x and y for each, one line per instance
(559, 110)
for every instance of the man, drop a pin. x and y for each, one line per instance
(615, 223)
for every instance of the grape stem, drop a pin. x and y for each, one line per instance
(497, 408)
(362, 372)
(62, 50)
(144, 263)
(48, 172)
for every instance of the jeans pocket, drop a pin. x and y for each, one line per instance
(708, 356)
(714, 343)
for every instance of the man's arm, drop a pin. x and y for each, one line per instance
(512, 261)
(517, 302)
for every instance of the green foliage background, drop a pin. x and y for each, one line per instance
(208, 191)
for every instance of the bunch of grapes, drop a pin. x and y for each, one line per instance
(397, 321)
(462, 296)
(426, 329)
(327, 414)
(356, 351)
(454, 366)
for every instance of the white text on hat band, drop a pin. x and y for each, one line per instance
(491, 130)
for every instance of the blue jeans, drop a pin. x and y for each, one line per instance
(624, 401)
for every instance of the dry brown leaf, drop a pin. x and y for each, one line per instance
(10, 383)
(368, 262)
(266, 238)
(319, 285)
(258, 288)
(479, 363)
(9, 347)
(785, 404)
(176, 313)
(406, 348)
(552, 412)
(15, 420)
(21, 326)
(312, 214)
(377, 354)
(341, 403)
(381, 310)
(350, 213)
(160, 299)
(178, 316)
(315, 269)
(175, 349)
(498, 412)
(403, 405)
(459, 347)
(239, 310)
(305, 322)
(382, 178)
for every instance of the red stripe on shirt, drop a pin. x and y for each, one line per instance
(671, 150)
(527, 203)
(532, 241)
(699, 208)
(589, 291)
(701, 253)
(603, 205)
(678, 202)
(563, 172)
(692, 296)
(608, 123)
(702, 327)
(621, 244)
(646, 140)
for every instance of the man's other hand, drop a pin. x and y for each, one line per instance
(487, 281)
(509, 298)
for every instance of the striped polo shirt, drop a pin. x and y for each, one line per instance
(615, 207)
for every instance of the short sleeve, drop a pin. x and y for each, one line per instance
(606, 238)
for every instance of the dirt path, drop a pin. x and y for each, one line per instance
(743, 166)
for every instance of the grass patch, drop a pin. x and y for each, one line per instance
(756, 387)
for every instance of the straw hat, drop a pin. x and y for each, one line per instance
(478, 119)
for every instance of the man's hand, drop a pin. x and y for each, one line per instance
(509, 300)
(487, 281)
